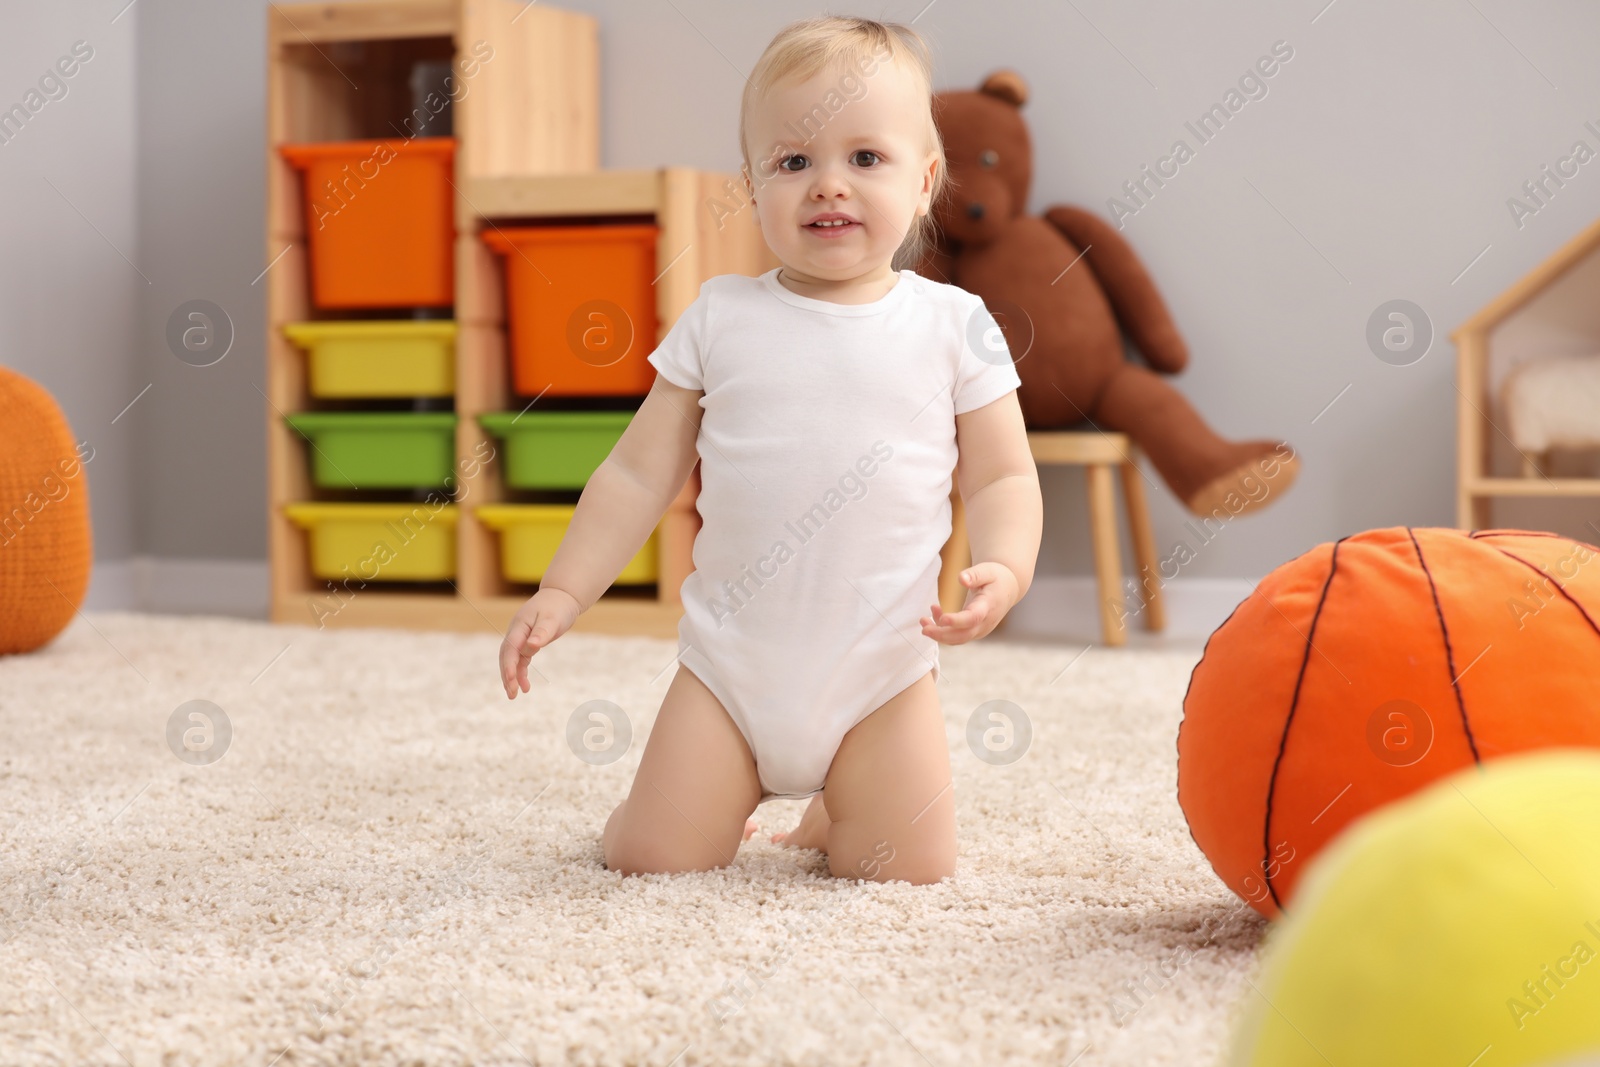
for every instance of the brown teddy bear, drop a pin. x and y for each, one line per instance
(1064, 316)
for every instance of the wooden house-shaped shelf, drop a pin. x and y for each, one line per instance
(1553, 311)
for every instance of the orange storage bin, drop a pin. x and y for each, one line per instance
(581, 302)
(379, 221)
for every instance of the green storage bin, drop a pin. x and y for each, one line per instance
(379, 449)
(555, 449)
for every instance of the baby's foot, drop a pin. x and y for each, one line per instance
(750, 828)
(812, 831)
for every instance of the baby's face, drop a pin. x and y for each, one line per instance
(868, 161)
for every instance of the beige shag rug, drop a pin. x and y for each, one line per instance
(392, 864)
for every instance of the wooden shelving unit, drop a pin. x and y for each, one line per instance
(527, 130)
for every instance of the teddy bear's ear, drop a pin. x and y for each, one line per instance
(1007, 85)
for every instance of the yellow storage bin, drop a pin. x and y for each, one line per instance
(379, 542)
(378, 358)
(531, 533)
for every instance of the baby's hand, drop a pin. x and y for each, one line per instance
(547, 615)
(991, 592)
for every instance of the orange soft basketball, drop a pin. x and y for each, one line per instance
(44, 517)
(1366, 669)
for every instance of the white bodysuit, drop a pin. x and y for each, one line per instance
(827, 448)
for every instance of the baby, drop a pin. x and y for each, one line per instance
(828, 402)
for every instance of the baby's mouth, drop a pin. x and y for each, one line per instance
(832, 227)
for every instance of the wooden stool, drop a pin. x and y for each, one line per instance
(1098, 453)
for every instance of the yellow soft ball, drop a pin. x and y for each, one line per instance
(1459, 926)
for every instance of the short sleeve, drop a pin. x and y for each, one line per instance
(986, 372)
(679, 358)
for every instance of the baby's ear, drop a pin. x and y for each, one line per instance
(1006, 85)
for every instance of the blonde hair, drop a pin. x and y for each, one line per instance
(825, 42)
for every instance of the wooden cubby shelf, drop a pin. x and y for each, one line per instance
(527, 150)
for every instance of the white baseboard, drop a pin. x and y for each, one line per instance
(180, 586)
(1065, 608)
(1056, 607)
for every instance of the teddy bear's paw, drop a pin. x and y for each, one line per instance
(1251, 486)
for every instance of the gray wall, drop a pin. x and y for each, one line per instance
(202, 191)
(72, 274)
(1377, 166)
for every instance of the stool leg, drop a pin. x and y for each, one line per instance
(1107, 556)
(957, 554)
(1144, 547)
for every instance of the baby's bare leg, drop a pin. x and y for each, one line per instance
(893, 814)
(695, 788)
(812, 831)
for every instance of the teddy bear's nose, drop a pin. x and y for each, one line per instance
(975, 211)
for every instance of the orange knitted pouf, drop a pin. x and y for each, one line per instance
(45, 544)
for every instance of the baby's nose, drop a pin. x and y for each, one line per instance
(975, 211)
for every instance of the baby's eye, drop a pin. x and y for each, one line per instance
(783, 164)
(865, 152)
